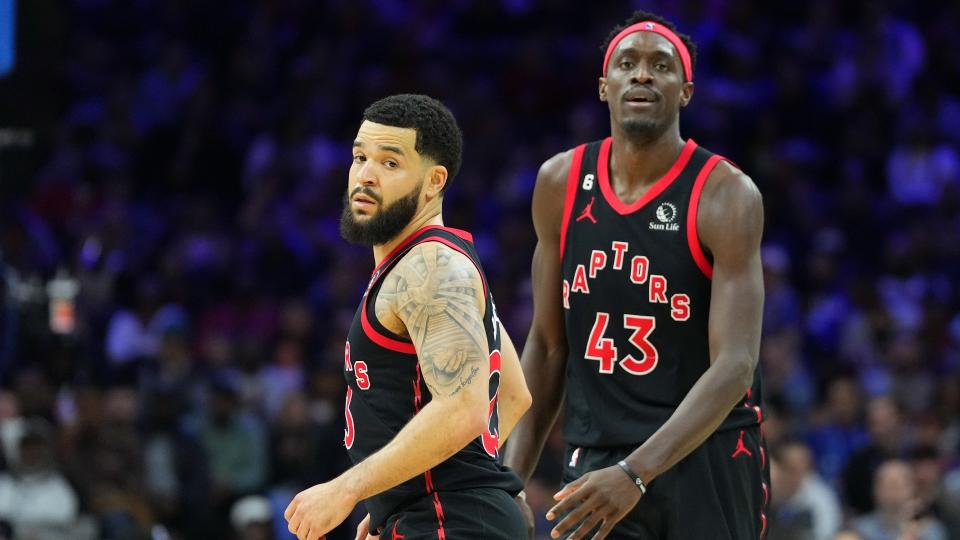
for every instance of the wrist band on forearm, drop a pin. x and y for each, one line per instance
(633, 476)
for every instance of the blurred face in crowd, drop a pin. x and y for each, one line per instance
(36, 456)
(389, 182)
(779, 488)
(793, 467)
(883, 422)
(927, 476)
(847, 535)
(9, 406)
(224, 404)
(644, 86)
(843, 401)
(893, 486)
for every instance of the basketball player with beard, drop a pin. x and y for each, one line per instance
(434, 385)
(648, 296)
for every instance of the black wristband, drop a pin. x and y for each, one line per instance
(633, 476)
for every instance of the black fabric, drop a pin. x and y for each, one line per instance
(617, 319)
(385, 390)
(474, 514)
(720, 491)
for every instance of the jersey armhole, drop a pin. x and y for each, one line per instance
(387, 342)
(374, 329)
(407, 346)
(693, 238)
(572, 181)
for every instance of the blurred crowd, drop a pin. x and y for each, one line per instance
(174, 294)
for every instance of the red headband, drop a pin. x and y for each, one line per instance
(650, 26)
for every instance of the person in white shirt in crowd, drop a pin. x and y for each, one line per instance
(35, 498)
(802, 502)
(896, 514)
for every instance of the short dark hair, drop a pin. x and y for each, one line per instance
(640, 16)
(438, 135)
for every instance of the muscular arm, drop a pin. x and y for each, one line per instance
(544, 356)
(438, 296)
(730, 224)
(514, 397)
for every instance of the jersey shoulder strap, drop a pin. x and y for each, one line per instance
(584, 159)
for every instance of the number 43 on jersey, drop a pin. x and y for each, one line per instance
(605, 351)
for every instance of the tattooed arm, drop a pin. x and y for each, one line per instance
(437, 295)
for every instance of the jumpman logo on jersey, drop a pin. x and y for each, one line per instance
(588, 211)
(741, 449)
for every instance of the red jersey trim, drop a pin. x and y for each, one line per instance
(428, 474)
(406, 242)
(416, 391)
(573, 179)
(441, 534)
(603, 176)
(693, 238)
(405, 347)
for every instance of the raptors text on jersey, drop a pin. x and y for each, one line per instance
(636, 300)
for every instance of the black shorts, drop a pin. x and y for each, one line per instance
(474, 514)
(720, 491)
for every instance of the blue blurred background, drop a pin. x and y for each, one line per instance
(174, 294)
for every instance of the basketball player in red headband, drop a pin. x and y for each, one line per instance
(648, 296)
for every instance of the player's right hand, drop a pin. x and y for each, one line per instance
(363, 530)
(527, 512)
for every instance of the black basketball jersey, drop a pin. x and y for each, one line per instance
(385, 390)
(636, 298)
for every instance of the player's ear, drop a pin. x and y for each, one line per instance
(436, 180)
(603, 89)
(686, 94)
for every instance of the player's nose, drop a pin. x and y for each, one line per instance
(366, 176)
(641, 74)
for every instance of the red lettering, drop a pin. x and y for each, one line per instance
(605, 351)
(619, 248)
(601, 348)
(680, 307)
(598, 260)
(658, 289)
(347, 366)
(566, 294)
(348, 433)
(363, 380)
(639, 267)
(580, 280)
(642, 328)
(491, 437)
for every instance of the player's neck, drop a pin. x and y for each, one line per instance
(636, 163)
(426, 216)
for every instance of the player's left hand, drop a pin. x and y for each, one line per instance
(317, 510)
(602, 497)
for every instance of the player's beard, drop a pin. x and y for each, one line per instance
(382, 226)
(643, 129)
